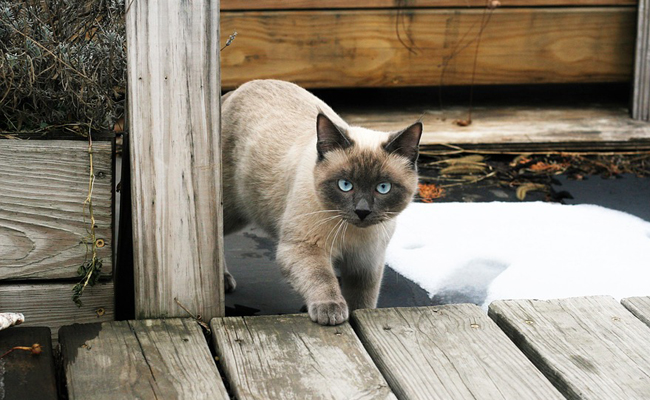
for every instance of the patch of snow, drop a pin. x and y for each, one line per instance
(488, 251)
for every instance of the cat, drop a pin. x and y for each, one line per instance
(327, 192)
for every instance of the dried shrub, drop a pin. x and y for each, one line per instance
(62, 65)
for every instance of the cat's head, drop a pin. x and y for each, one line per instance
(367, 176)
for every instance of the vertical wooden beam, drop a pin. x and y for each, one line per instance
(641, 95)
(174, 105)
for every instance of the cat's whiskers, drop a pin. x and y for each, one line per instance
(316, 212)
(383, 228)
(321, 222)
(341, 225)
(334, 229)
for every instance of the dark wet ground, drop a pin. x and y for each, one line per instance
(262, 290)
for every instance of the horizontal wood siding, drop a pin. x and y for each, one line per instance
(405, 4)
(361, 48)
(43, 231)
(51, 305)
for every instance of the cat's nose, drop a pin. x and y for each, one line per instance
(362, 213)
(362, 209)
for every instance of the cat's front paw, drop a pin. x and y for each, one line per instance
(229, 283)
(328, 312)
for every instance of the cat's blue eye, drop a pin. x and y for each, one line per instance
(384, 187)
(344, 185)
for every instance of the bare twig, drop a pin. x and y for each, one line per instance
(197, 318)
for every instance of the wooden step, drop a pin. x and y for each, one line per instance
(145, 359)
(291, 357)
(24, 375)
(589, 347)
(514, 128)
(448, 352)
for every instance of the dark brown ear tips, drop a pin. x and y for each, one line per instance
(405, 143)
(330, 136)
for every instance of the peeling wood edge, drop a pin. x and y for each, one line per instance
(630, 305)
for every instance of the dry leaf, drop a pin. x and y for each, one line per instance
(463, 169)
(429, 192)
(523, 190)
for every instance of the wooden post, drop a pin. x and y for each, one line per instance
(174, 106)
(641, 95)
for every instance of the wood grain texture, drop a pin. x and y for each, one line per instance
(641, 91)
(147, 359)
(290, 357)
(361, 48)
(449, 352)
(639, 306)
(51, 305)
(42, 227)
(397, 4)
(174, 104)
(23, 375)
(509, 125)
(589, 347)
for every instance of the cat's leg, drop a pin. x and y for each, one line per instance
(232, 222)
(361, 274)
(309, 270)
(229, 282)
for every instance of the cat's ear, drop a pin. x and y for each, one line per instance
(405, 143)
(330, 136)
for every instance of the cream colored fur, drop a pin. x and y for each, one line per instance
(269, 158)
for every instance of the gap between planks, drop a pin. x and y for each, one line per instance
(448, 352)
(588, 347)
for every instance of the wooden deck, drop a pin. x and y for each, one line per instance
(578, 348)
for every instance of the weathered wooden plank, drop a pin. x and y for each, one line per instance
(510, 125)
(403, 5)
(174, 105)
(639, 306)
(290, 357)
(361, 48)
(449, 352)
(43, 229)
(589, 347)
(162, 359)
(641, 91)
(51, 305)
(22, 374)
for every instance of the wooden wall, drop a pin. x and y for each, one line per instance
(327, 45)
(43, 231)
(229, 5)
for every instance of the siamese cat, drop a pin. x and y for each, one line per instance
(326, 191)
